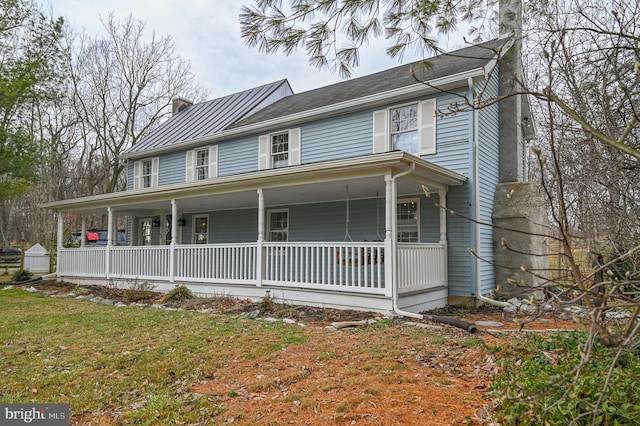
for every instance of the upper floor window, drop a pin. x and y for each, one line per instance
(408, 215)
(202, 163)
(145, 173)
(409, 128)
(278, 225)
(404, 129)
(279, 149)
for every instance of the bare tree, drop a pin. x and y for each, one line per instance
(123, 85)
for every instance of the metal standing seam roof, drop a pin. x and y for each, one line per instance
(208, 118)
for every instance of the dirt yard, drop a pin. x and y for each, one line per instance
(327, 381)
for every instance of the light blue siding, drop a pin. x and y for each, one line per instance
(339, 137)
(452, 138)
(238, 156)
(172, 168)
(315, 222)
(458, 232)
(488, 135)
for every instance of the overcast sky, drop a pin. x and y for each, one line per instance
(207, 33)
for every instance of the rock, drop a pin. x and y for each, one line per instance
(288, 321)
(31, 289)
(271, 319)
(9, 287)
(120, 305)
(429, 326)
(410, 324)
(254, 314)
(489, 324)
(331, 328)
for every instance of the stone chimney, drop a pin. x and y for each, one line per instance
(511, 116)
(180, 104)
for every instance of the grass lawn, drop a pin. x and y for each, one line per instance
(142, 365)
(137, 362)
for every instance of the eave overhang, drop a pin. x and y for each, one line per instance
(341, 170)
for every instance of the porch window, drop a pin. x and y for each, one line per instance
(144, 237)
(202, 164)
(280, 150)
(278, 225)
(200, 230)
(408, 214)
(404, 129)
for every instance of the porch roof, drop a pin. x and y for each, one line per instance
(363, 177)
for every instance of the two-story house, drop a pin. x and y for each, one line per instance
(315, 198)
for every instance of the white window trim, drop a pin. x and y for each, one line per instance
(194, 221)
(191, 174)
(137, 173)
(427, 130)
(409, 200)
(141, 220)
(269, 213)
(264, 148)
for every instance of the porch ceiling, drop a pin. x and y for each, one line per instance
(356, 178)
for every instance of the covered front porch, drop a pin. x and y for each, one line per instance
(366, 269)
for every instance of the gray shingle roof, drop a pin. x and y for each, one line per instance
(443, 65)
(211, 117)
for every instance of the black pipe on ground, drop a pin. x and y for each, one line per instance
(452, 321)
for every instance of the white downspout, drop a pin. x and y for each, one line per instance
(394, 245)
(476, 207)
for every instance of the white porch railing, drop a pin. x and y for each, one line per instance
(357, 267)
(83, 262)
(350, 267)
(145, 263)
(228, 263)
(421, 267)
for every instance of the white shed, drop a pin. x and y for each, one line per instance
(36, 259)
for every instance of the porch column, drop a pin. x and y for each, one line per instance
(59, 242)
(261, 215)
(107, 251)
(261, 234)
(172, 247)
(442, 200)
(389, 239)
(83, 231)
